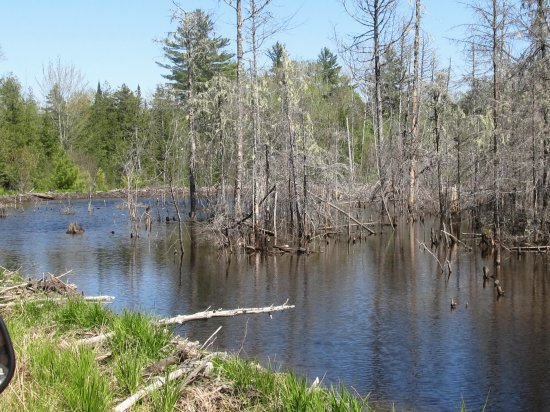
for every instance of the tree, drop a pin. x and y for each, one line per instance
(376, 18)
(329, 69)
(276, 54)
(413, 131)
(194, 56)
(64, 88)
(20, 134)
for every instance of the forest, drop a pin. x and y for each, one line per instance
(301, 147)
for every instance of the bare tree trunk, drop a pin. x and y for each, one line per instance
(239, 123)
(255, 123)
(414, 111)
(495, 103)
(379, 126)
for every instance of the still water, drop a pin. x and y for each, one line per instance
(375, 314)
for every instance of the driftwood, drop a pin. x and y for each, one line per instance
(103, 298)
(49, 285)
(540, 249)
(288, 249)
(435, 257)
(368, 229)
(160, 381)
(207, 314)
(44, 196)
(95, 339)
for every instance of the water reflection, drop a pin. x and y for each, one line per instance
(375, 313)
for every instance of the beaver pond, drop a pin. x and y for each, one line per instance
(374, 314)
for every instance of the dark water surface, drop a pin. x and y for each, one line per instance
(375, 314)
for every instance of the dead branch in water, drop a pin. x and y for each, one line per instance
(435, 257)
(468, 248)
(368, 229)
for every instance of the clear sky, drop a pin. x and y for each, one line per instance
(114, 40)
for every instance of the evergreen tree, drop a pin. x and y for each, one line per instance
(276, 54)
(194, 52)
(329, 69)
(195, 55)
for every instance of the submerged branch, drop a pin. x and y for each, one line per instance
(368, 229)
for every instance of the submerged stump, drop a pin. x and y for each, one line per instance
(75, 229)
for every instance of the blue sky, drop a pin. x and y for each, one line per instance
(114, 40)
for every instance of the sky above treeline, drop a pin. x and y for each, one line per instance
(117, 41)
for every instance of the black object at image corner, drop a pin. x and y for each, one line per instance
(7, 357)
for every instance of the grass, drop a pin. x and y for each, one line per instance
(68, 378)
(265, 389)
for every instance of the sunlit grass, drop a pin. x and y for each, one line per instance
(68, 378)
(265, 389)
(77, 313)
(136, 332)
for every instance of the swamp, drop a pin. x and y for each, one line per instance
(373, 312)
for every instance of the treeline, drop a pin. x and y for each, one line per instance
(285, 146)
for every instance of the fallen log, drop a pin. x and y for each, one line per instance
(160, 381)
(44, 196)
(106, 299)
(544, 248)
(207, 314)
(288, 249)
(95, 339)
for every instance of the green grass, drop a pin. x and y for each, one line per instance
(165, 398)
(77, 313)
(265, 389)
(127, 368)
(68, 379)
(136, 332)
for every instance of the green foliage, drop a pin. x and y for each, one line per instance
(100, 180)
(264, 389)
(128, 370)
(276, 54)
(194, 54)
(329, 69)
(77, 313)
(135, 331)
(165, 398)
(65, 172)
(70, 376)
(19, 131)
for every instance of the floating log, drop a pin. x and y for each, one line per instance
(288, 249)
(539, 249)
(44, 196)
(207, 314)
